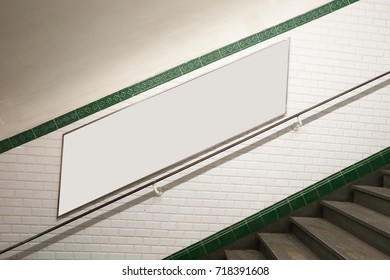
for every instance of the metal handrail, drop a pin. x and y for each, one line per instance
(216, 152)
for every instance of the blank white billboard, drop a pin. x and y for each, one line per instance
(142, 139)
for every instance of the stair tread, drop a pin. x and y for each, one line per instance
(244, 255)
(286, 247)
(368, 217)
(339, 241)
(383, 193)
(386, 172)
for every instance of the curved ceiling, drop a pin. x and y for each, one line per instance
(57, 56)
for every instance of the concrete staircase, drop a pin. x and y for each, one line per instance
(354, 229)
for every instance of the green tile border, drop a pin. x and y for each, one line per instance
(226, 237)
(285, 207)
(248, 42)
(5, 145)
(126, 93)
(296, 201)
(210, 57)
(336, 181)
(211, 244)
(45, 128)
(196, 252)
(22, 138)
(230, 49)
(324, 188)
(190, 66)
(66, 119)
(109, 100)
(88, 109)
(254, 222)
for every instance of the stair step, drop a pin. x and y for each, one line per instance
(370, 226)
(282, 246)
(386, 178)
(244, 255)
(375, 198)
(375, 191)
(331, 242)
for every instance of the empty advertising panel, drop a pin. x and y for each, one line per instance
(145, 138)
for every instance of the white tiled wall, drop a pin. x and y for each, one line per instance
(328, 56)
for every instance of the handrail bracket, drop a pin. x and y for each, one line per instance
(296, 126)
(157, 191)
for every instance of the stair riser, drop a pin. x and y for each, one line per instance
(319, 249)
(372, 202)
(386, 181)
(368, 235)
(263, 247)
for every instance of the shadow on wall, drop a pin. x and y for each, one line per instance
(76, 229)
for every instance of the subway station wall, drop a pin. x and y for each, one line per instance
(328, 56)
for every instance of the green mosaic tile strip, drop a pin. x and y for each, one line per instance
(88, 110)
(135, 89)
(294, 202)
(5, 145)
(273, 31)
(286, 26)
(109, 100)
(248, 41)
(324, 10)
(263, 35)
(22, 138)
(66, 119)
(152, 82)
(170, 74)
(126, 93)
(230, 49)
(45, 128)
(190, 66)
(338, 4)
(305, 18)
(148, 84)
(210, 57)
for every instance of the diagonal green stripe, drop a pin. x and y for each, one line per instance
(168, 75)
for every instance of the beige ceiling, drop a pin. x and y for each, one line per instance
(58, 55)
